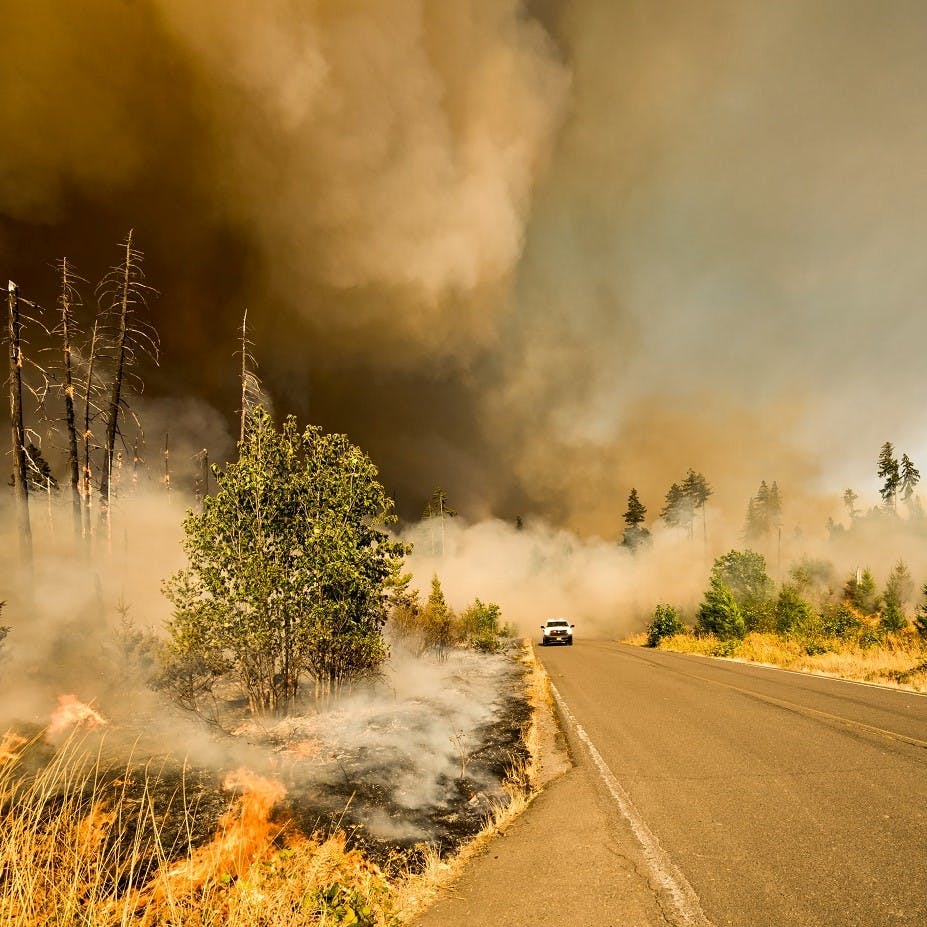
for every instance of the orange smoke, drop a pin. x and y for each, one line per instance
(71, 712)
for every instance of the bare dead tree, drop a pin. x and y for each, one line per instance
(67, 329)
(123, 296)
(89, 412)
(251, 390)
(18, 431)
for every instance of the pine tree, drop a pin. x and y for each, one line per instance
(898, 591)
(888, 472)
(910, 477)
(684, 499)
(849, 500)
(920, 617)
(698, 490)
(635, 534)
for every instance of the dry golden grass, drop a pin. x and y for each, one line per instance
(900, 660)
(76, 851)
(78, 847)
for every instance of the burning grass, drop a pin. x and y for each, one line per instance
(87, 840)
(80, 846)
(898, 660)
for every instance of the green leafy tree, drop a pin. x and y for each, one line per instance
(481, 627)
(665, 622)
(635, 534)
(890, 474)
(290, 569)
(812, 575)
(719, 612)
(744, 574)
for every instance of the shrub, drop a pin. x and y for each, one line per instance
(744, 574)
(837, 619)
(792, 611)
(481, 628)
(719, 612)
(665, 622)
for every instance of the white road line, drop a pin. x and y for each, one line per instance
(679, 892)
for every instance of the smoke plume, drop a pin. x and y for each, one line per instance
(536, 252)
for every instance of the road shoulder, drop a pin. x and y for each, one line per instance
(567, 860)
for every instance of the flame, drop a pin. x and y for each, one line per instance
(9, 746)
(245, 836)
(71, 712)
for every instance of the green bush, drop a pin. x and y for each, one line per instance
(719, 613)
(743, 573)
(792, 612)
(665, 622)
(837, 619)
(481, 627)
(724, 648)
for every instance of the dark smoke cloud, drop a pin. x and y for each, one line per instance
(536, 255)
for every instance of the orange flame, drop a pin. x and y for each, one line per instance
(71, 712)
(9, 746)
(245, 836)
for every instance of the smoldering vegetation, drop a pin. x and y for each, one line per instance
(414, 756)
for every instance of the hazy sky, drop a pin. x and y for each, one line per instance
(534, 255)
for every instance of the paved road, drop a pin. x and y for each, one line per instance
(772, 798)
(708, 793)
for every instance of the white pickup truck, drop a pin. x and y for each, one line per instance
(557, 631)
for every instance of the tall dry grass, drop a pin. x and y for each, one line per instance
(82, 843)
(898, 660)
(77, 846)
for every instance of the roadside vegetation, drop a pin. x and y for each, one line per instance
(810, 622)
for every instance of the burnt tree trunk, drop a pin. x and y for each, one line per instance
(17, 430)
(112, 421)
(87, 487)
(67, 333)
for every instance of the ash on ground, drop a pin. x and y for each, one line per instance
(415, 757)
(418, 757)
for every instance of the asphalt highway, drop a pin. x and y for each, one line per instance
(751, 796)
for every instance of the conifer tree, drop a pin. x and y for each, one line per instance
(849, 500)
(719, 612)
(635, 534)
(920, 617)
(910, 477)
(889, 473)
(898, 591)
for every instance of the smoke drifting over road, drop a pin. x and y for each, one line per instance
(533, 252)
